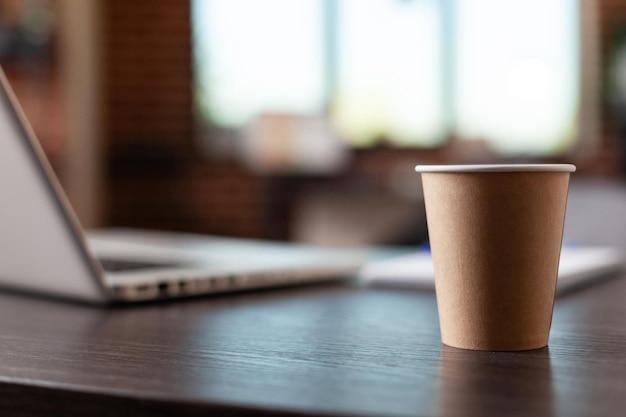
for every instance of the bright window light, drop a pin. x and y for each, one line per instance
(516, 73)
(390, 72)
(258, 56)
(409, 71)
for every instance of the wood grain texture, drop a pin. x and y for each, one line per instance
(319, 350)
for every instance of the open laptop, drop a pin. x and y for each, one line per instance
(44, 249)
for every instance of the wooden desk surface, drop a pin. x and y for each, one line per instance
(318, 350)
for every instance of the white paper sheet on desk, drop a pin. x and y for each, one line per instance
(579, 265)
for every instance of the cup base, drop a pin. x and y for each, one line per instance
(494, 348)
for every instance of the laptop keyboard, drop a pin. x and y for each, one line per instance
(119, 265)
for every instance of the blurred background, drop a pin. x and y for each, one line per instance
(302, 120)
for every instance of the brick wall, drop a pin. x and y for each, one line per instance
(611, 159)
(147, 111)
(148, 71)
(158, 179)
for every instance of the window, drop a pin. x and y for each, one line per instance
(411, 72)
(516, 73)
(389, 66)
(258, 56)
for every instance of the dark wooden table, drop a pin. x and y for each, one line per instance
(316, 350)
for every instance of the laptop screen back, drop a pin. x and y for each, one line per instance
(40, 242)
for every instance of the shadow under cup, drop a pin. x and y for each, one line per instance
(495, 234)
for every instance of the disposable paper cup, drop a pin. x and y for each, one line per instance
(495, 235)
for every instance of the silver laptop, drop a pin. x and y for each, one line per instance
(43, 248)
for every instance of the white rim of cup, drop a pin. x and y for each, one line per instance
(497, 168)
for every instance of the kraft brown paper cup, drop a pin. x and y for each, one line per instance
(495, 235)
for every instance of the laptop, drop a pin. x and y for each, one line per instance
(43, 248)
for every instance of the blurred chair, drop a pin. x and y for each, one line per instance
(592, 212)
(345, 219)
